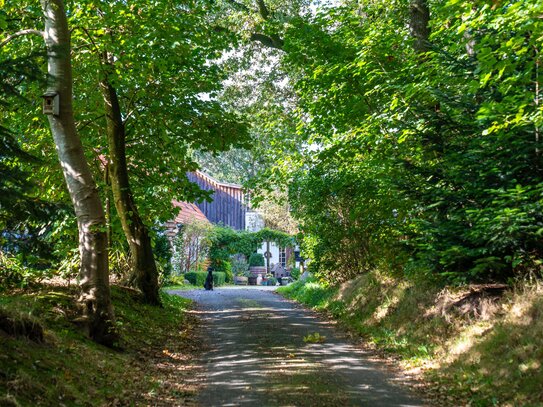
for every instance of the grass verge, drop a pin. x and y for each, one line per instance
(152, 367)
(471, 347)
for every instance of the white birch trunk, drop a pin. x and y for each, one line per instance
(94, 274)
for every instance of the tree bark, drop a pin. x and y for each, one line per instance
(267, 256)
(418, 24)
(144, 271)
(270, 41)
(537, 99)
(94, 275)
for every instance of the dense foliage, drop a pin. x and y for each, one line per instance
(161, 70)
(427, 161)
(229, 246)
(256, 260)
(417, 150)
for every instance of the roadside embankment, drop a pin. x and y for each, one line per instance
(46, 360)
(478, 345)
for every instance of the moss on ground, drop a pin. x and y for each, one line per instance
(487, 352)
(68, 369)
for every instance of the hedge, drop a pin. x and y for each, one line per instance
(256, 259)
(219, 278)
(198, 278)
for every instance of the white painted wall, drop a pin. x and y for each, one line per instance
(255, 222)
(274, 250)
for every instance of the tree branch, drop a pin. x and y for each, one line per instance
(239, 6)
(89, 36)
(19, 34)
(89, 122)
(264, 12)
(269, 41)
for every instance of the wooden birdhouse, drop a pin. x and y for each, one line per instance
(51, 103)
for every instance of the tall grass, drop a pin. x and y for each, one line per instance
(488, 351)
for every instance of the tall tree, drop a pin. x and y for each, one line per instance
(151, 77)
(144, 269)
(95, 295)
(419, 25)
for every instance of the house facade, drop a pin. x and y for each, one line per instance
(229, 207)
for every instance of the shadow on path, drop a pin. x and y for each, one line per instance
(256, 355)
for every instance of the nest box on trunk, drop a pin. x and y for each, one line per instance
(51, 103)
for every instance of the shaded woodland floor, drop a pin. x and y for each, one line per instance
(153, 365)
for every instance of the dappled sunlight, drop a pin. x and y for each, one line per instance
(463, 342)
(489, 356)
(72, 172)
(389, 303)
(257, 354)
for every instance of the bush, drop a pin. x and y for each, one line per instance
(271, 281)
(13, 273)
(176, 280)
(256, 260)
(240, 267)
(198, 278)
(227, 271)
(219, 278)
(295, 273)
(224, 266)
(163, 257)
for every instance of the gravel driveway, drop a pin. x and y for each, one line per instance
(256, 356)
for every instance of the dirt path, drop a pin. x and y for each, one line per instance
(256, 356)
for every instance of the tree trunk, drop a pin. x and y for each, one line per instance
(95, 295)
(418, 24)
(268, 257)
(537, 99)
(144, 270)
(108, 207)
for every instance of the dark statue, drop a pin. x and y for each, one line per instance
(208, 285)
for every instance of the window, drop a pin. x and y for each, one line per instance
(282, 257)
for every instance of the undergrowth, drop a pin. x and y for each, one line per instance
(471, 349)
(67, 368)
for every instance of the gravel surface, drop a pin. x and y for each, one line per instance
(256, 356)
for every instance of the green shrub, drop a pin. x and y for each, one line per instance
(224, 266)
(240, 267)
(176, 280)
(219, 278)
(295, 273)
(163, 257)
(13, 272)
(271, 281)
(197, 278)
(227, 270)
(256, 260)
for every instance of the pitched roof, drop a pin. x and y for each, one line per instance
(215, 182)
(188, 212)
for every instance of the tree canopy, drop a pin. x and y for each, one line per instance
(401, 135)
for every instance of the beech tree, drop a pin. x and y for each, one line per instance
(95, 302)
(144, 269)
(151, 75)
(95, 296)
